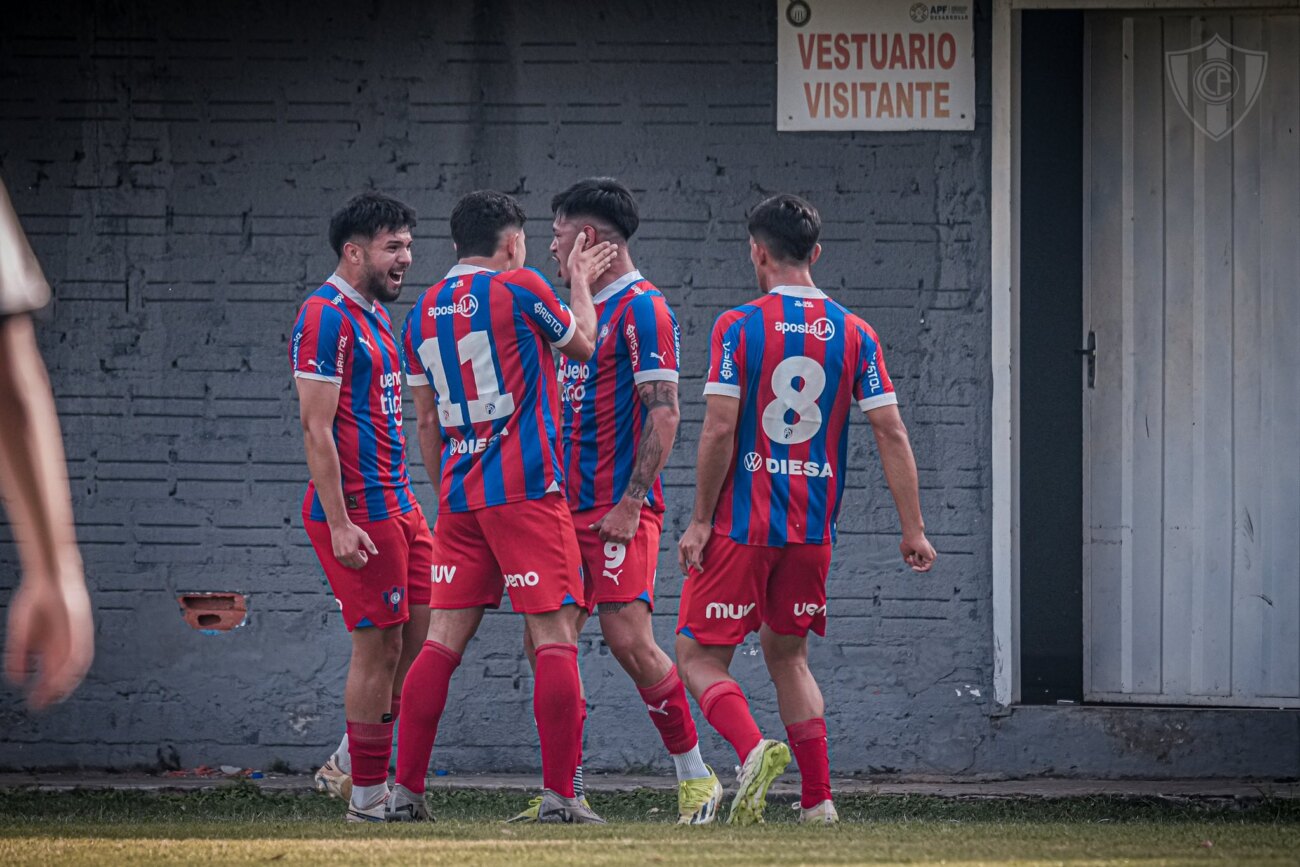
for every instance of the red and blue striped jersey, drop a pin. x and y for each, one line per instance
(637, 341)
(483, 340)
(342, 338)
(796, 360)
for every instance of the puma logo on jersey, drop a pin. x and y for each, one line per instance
(365, 343)
(613, 576)
(659, 358)
(661, 708)
(319, 365)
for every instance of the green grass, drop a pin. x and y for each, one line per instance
(239, 824)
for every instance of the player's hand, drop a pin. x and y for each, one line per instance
(690, 550)
(51, 636)
(917, 552)
(619, 523)
(352, 545)
(586, 264)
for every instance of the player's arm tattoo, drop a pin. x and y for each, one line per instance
(656, 437)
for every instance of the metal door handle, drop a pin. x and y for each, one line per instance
(1090, 352)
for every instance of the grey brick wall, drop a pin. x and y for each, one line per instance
(176, 169)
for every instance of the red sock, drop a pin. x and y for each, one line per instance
(666, 702)
(395, 710)
(425, 695)
(582, 728)
(370, 745)
(808, 743)
(727, 711)
(557, 705)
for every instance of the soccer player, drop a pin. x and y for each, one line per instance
(784, 371)
(365, 525)
(50, 625)
(477, 350)
(620, 420)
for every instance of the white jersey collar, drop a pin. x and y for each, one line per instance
(798, 291)
(357, 298)
(461, 270)
(616, 287)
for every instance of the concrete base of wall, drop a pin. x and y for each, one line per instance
(1210, 790)
(1083, 742)
(1142, 742)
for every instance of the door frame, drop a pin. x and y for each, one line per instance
(1004, 182)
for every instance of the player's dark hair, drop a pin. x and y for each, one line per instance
(786, 225)
(478, 220)
(366, 215)
(603, 198)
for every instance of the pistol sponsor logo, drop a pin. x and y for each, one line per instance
(342, 352)
(548, 319)
(727, 371)
(633, 345)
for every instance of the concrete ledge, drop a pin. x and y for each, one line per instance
(938, 787)
(1142, 742)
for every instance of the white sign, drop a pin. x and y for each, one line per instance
(878, 65)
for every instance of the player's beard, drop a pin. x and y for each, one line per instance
(379, 286)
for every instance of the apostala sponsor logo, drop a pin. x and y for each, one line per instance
(467, 306)
(823, 329)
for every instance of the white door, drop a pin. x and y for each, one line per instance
(1192, 421)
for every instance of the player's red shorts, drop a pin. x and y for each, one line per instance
(379, 593)
(527, 548)
(744, 586)
(619, 573)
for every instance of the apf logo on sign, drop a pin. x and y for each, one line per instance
(1216, 84)
(878, 65)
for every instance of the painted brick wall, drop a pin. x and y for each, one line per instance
(176, 172)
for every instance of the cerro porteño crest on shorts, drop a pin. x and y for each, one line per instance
(1216, 84)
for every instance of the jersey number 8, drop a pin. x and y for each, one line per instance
(797, 382)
